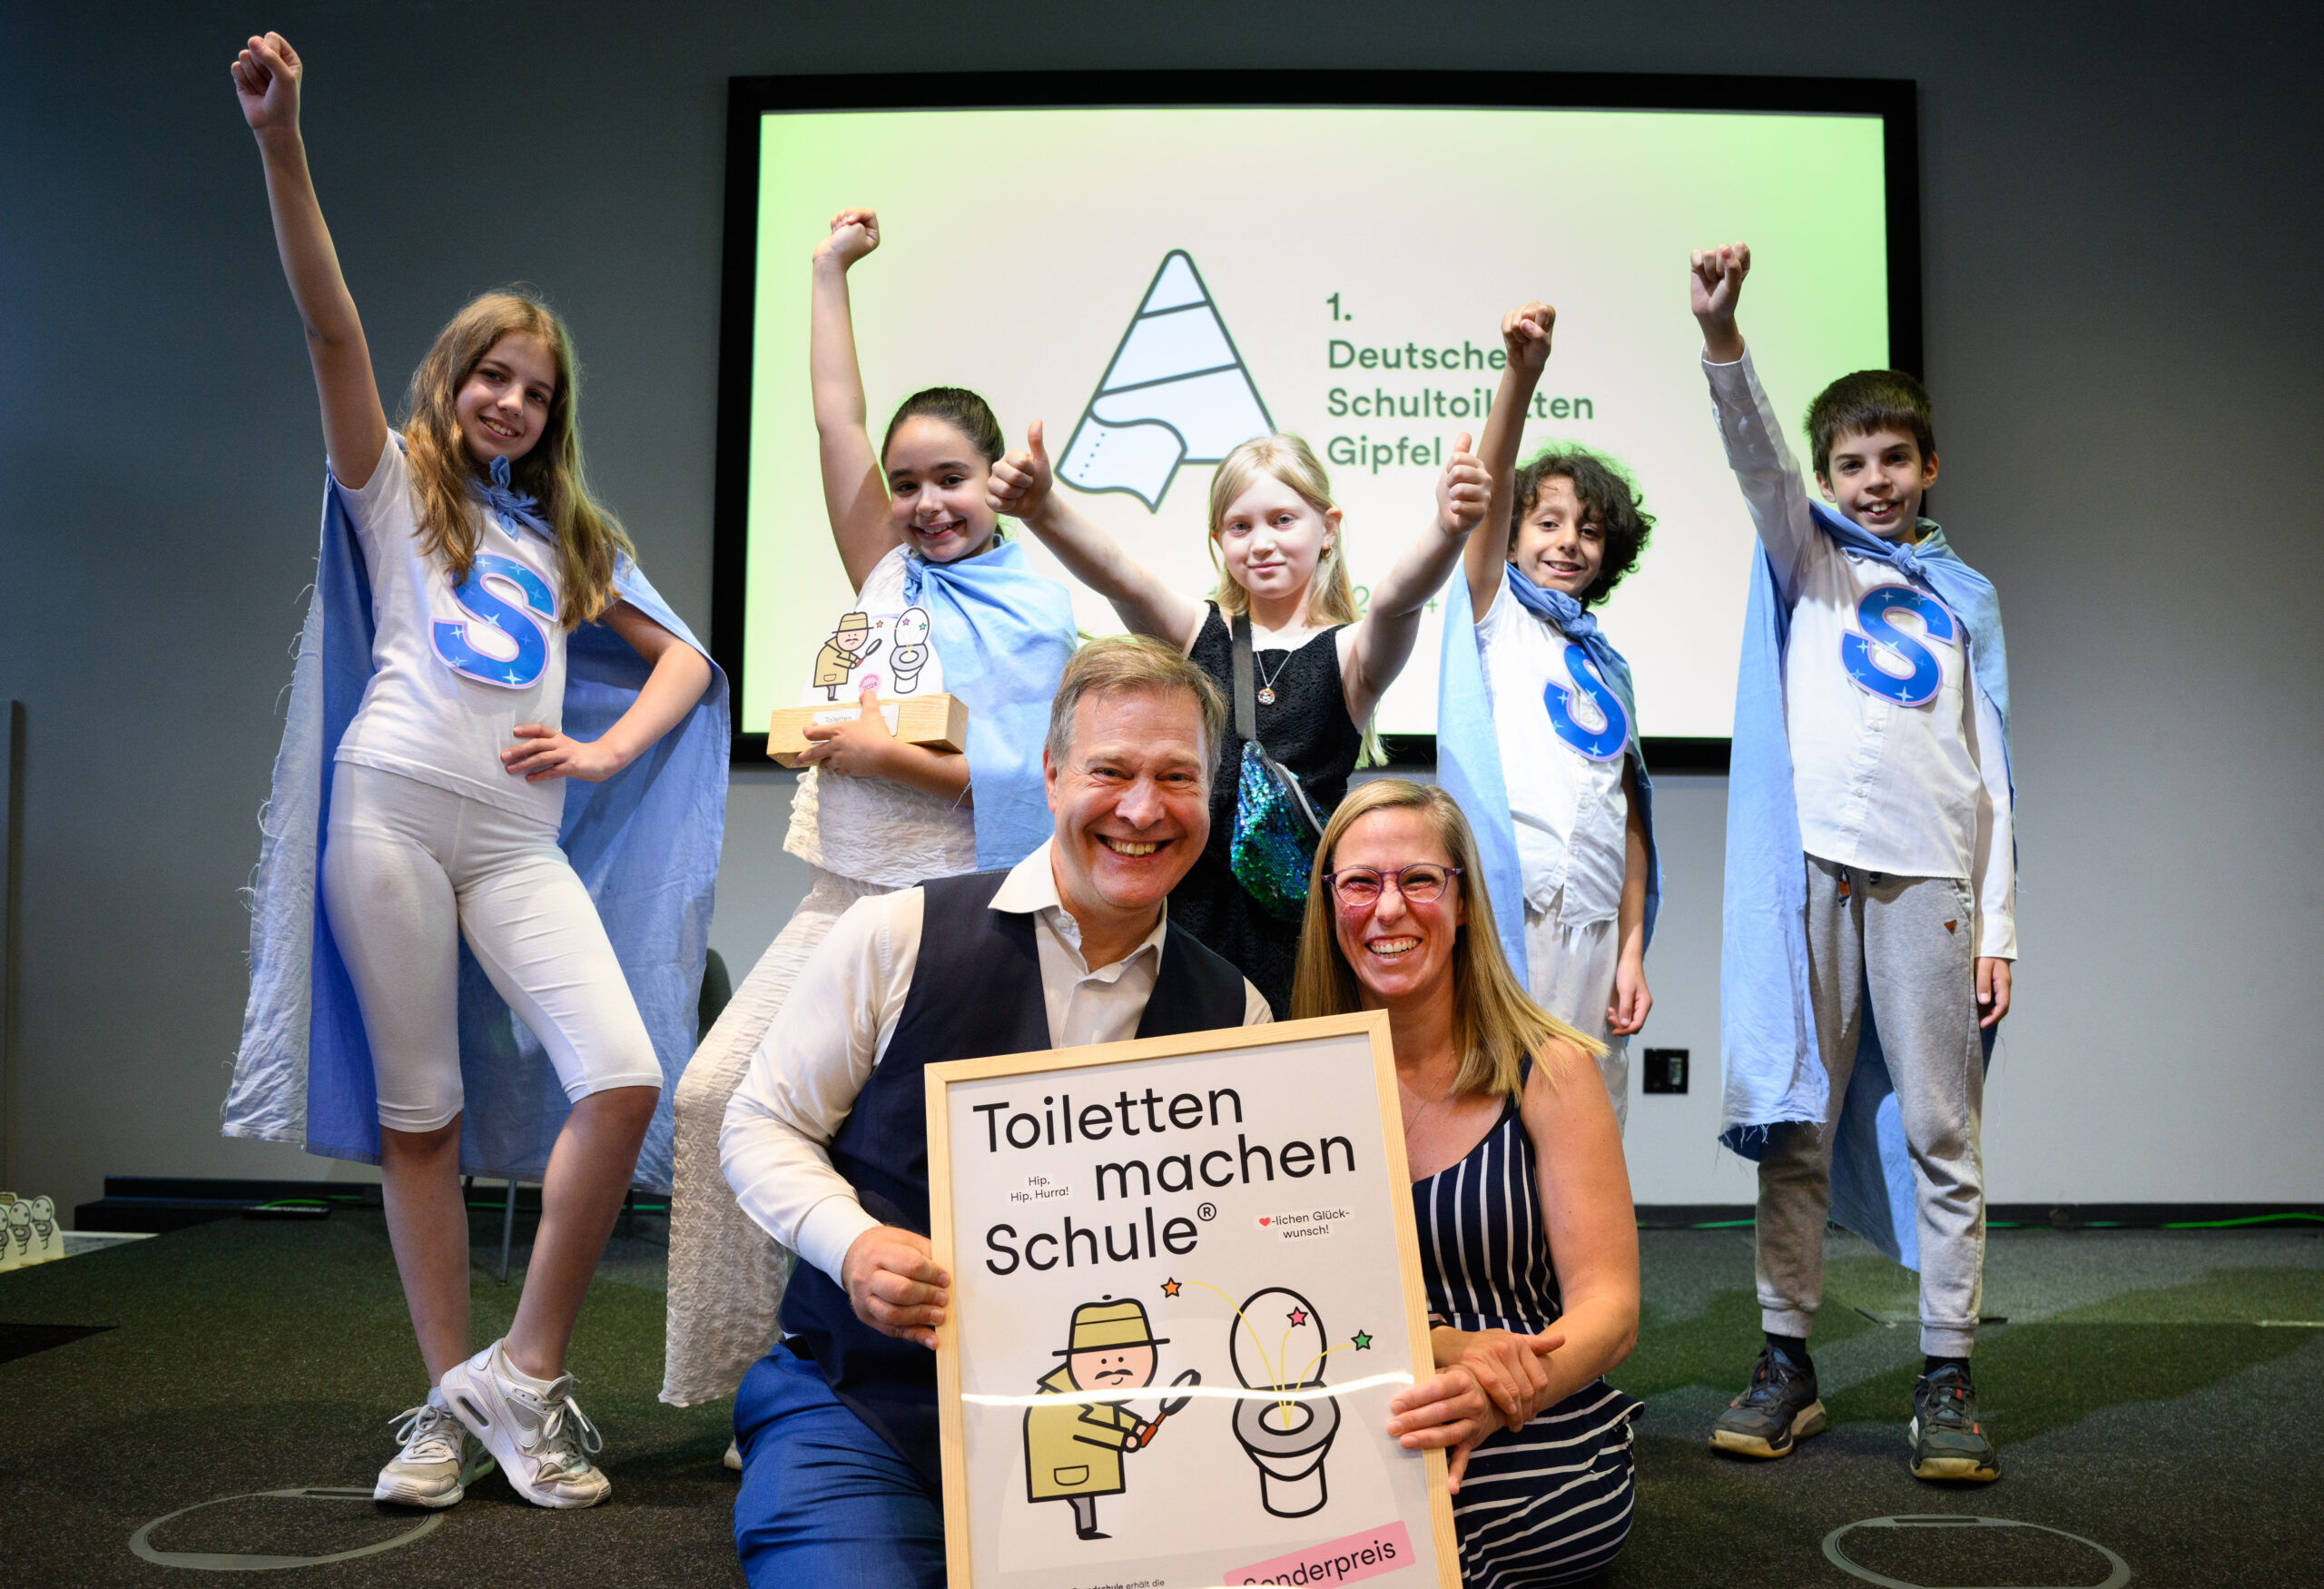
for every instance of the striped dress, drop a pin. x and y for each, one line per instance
(1550, 1502)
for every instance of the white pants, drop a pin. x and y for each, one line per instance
(1570, 973)
(726, 1274)
(409, 870)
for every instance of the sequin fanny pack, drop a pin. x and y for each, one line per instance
(1276, 829)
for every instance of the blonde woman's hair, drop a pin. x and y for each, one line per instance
(1496, 1026)
(589, 540)
(1331, 599)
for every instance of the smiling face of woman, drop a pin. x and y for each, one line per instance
(1398, 949)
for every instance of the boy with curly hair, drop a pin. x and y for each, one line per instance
(1870, 886)
(1537, 720)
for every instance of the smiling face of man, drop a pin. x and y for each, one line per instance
(1131, 795)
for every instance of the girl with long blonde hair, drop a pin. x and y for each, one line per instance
(441, 794)
(1528, 1242)
(1318, 667)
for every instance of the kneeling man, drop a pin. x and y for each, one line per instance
(825, 1142)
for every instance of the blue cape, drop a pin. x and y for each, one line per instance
(1005, 634)
(1775, 1073)
(644, 841)
(1468, 752)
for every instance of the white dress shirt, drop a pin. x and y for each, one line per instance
(835, 1027)
(1919, 791)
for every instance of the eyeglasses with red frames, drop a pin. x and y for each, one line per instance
(1421, 883)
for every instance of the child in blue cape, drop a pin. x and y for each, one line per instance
(872, 813)
(480, 753)
(1870, 882)
(1537, 722)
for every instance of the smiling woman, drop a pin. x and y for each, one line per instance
(1528, 1245)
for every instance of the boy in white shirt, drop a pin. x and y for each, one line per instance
(1890, 719)
(1537, 733)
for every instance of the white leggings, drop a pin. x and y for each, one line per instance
(408, 870)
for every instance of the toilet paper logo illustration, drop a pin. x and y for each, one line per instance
(1176, 392)
(1075, 1449)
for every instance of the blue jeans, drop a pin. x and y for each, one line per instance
(825, 1504)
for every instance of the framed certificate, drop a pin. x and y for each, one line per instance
(1185, 1285)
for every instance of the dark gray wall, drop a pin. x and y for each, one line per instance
(2123, 321)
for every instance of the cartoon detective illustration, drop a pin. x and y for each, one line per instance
(843, 652)
(909, 654)
(1074, 1450)
(1177, 392)
(1286, 1439)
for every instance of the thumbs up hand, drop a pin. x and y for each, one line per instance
(1463, 491)
(1020, 481)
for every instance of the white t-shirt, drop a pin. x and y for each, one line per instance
(875, 830)
(457, 670)
(1565, 792)
(1896, 766)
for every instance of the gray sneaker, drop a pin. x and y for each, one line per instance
(427, 1471)
(1948, 1441)
(1778, 1410)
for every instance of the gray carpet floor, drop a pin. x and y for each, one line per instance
(2156, 1393)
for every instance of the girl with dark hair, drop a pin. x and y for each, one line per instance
(871, 813)
(465, 573)
(1537, 722)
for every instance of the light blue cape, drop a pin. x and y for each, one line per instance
(1005, 634)
(644, 841)
(1468, 752)
(1775, 1073)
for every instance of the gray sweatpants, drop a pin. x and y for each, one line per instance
(1906, 943)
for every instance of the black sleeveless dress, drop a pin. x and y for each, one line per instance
(1550, 1502)
(1307, 728)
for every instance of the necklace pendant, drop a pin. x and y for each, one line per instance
(1266, 696)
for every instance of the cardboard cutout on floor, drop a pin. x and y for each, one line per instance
(1185, 1284)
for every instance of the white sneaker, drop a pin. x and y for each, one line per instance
(427, 1471)
(542, 1438)
(734, 1458)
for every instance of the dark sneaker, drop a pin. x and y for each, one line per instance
(1948, 1442)
(1778, 1410)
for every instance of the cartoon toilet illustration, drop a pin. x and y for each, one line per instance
(909, 653)
(843, 652)
(1278, 1345)
(19, 1232)
(1074, 1449)
(48, 1242)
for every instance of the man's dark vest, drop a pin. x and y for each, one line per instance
(976, 991)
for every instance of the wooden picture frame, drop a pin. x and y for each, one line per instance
(994, 1150)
